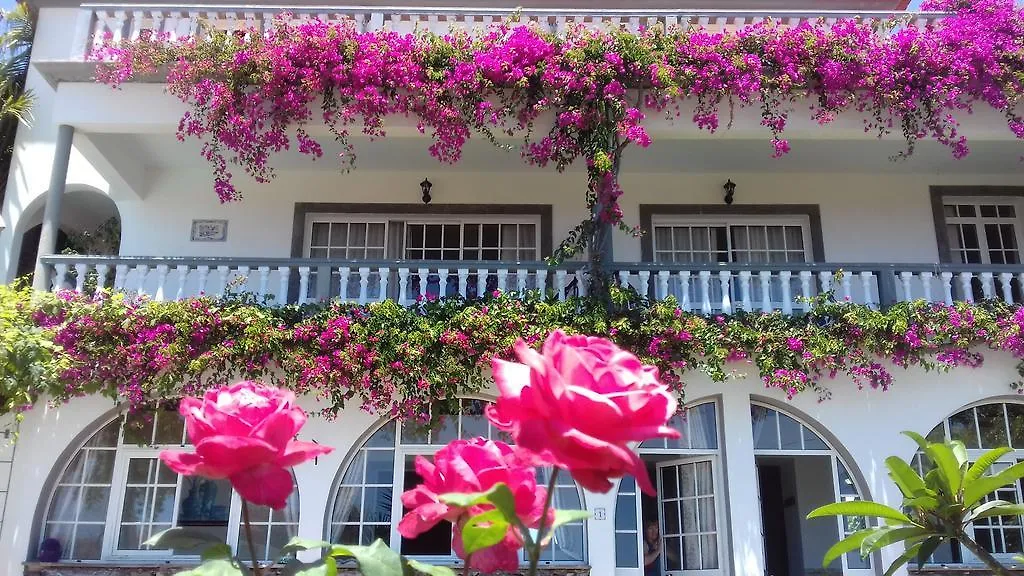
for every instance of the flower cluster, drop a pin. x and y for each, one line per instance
(397, 361)
(254, 95)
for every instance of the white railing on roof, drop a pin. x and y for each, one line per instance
(130, 21)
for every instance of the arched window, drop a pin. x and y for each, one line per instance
(687, 509)
(981, 428)
(798, 471)
(115, 493)
(368, 488)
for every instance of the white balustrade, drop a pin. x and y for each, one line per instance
(713, 290)
(101, 23)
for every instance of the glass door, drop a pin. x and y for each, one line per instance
(688, 515)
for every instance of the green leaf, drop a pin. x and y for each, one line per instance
(483, 531)
(887, 535)
(978, 469)
(567, 516)
(297, 544)
(927, 548)
(995, 508)
(429, 569)
(216, 551)
(922, 503)
(860, 508)
(499, 496)
(218, 567)
(921, 442)
(948, 467)
(985, 485)
(326, 567)
(848, 544)
(374, 560)
(906, 478)
(184, 539)
(903, 559)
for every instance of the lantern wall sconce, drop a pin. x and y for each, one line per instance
(730, 191)
(425, 187)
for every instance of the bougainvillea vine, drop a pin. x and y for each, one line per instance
(399, 361)
(584, 94)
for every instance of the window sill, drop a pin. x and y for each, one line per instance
(948, 569)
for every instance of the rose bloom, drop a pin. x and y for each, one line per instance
(579, 403)
(466, 467)
(245, 433)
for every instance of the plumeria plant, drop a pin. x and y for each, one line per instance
(577, 406)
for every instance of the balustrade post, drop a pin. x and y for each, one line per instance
(887, 295)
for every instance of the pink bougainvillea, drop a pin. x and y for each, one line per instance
(583, 94)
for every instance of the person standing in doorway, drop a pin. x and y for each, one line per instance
(652, 549)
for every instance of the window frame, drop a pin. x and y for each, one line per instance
(812, 212)
(721, 221)
(407, 220)
(1014, 456)
(941, 194)
(719, 470)
(978, 222)
(124, 450)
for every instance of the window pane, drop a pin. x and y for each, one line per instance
(992, 426)
(789, 431)
(765, 431)
(88, 542)
(626, 551)
(170, 428)
(348, 505)
(988, 211)
(1007, 211)
(812, 441)
(100, 469)
(380, 466)
(320, 234)
(384, 437)
(107, 436)
(64, 505)
(962, 428)
(625, 512)
(94, 504)
(703, 426)
(1015, 412)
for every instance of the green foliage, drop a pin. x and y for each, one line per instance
(404, 360)
(936, 508)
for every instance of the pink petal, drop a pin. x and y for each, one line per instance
(280, 427)
(422, 518)
(298, 452)
(265, 485)
(188, 464)
(229, 455)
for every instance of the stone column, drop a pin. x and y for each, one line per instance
(54, 197)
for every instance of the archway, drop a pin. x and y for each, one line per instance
(366, 499)
(798, 471)
(113, 493)
(981, 427)
(90, 224)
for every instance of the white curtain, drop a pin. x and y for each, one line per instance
(702, 426)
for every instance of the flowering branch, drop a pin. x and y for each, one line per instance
(251, 96)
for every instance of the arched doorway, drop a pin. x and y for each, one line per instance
(798, 471)
(90, 224)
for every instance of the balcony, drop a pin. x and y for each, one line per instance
(700, 288)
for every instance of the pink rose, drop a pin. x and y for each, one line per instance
(579, 404)
(468, 466)
(245, 433)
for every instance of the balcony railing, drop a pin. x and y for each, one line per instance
(130, 21)
(708, 288)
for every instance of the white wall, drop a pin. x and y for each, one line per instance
(864, 217)
(864, 424)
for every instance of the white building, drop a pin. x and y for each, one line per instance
(757, 461)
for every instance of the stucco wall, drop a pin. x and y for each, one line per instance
(864, 425)
(864, 217)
